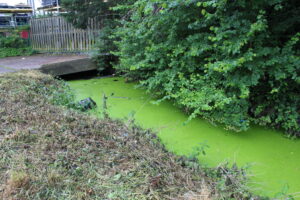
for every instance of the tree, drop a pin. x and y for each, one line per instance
(232, 62)
(78, 11)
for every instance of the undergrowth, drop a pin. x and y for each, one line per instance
(14, 46)
(51, 152)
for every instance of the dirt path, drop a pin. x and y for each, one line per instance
(33, 62)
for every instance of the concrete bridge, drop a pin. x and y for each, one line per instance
(56, 65)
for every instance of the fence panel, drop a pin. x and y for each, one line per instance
(55, 34)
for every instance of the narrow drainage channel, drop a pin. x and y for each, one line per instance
(273, 159)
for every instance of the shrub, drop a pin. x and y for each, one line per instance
(14, 46)
(232, 62)
(13, 41)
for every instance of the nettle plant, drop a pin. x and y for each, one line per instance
(232, 62)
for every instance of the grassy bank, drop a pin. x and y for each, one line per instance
(49, 151)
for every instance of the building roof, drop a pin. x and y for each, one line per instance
(50, 8)
(15, 10)
(19, 8)
(23, 6)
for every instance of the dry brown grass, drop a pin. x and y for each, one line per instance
(18, 180)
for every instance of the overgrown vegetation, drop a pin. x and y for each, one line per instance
(232, 62)
(50, 152)
(14, 46)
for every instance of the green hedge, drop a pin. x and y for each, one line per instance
(232, 62)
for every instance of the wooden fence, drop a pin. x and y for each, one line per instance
(54, 34)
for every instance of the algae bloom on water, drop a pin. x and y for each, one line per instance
(273, 159)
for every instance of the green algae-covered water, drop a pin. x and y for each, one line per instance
(274, 160)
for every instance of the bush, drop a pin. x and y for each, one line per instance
(13, 41)
(104, 46)
(14, 46)
(232, 62)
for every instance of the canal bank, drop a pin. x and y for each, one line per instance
(273, 160)
(50, 151)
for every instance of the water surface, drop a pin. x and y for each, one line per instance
(274, 159)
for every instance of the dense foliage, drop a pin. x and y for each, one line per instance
(232, 62)
(80, 11)
(14, 46)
